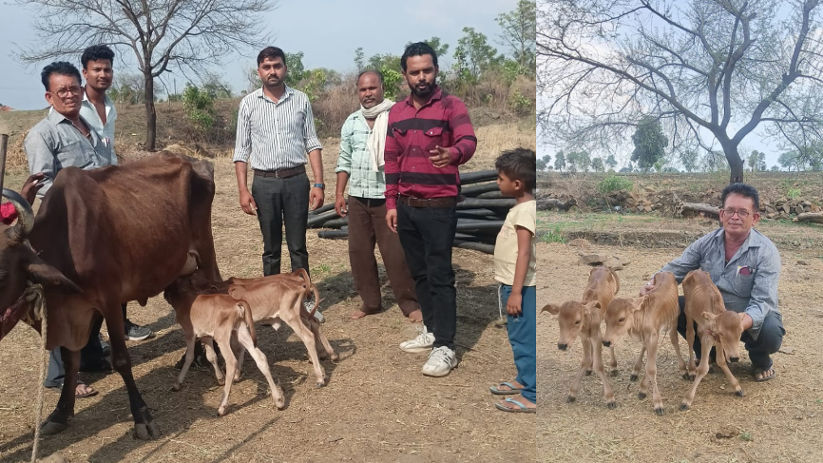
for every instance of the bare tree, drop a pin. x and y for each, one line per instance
(162, 34)
(711, 70)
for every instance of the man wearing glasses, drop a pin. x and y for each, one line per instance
(745, 266)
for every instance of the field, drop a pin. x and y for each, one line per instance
(777, 421)
(376, 407)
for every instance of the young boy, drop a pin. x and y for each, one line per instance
(514, 269)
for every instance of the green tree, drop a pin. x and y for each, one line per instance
(649, 142)
(597, 165)
(473, 55)
(689, 159)
(611, 162)
(560, 161)
(519, 28)
(199, 107)
(296, 70)
(359, 59)
(543, 163)
(757, 161)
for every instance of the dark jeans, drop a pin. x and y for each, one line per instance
(760, 350)
(367, 226)
(427, 236)
(282, 201)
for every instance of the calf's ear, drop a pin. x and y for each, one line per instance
(44, 273)
(550, 308)
(637, 303)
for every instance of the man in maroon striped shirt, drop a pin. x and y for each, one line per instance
(429, 135)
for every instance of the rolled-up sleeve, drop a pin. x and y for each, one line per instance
(688, 261)
(764, 290)
(242, 143)
(37, 145)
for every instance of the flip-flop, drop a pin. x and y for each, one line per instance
(89, 392)
(761, 372)
(510, 391)
(520, 408)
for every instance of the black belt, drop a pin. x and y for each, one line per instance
(370, 202)
(281, 173)
(448, 201)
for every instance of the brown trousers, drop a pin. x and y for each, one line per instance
(367, 226)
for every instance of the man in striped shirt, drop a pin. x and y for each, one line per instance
(361, 165)
(275, 133)
(429, 136)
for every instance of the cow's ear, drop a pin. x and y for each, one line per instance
(551, 308)
(46, 274)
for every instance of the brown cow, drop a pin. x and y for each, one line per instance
(602, 286)
(221, 318)
(102, 237)
(643, 318)
(576, 318)
(715, 326)
(276, 298)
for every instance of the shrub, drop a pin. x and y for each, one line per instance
(614, 183)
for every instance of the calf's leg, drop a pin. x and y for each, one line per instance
(707, 342)
(244, 337)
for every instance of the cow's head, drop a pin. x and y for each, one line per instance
(19, 263)
(573, 317)
(620, 317)
(726, 328)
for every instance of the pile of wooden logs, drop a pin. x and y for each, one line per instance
(480, 213)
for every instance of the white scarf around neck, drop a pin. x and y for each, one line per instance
(377, 138)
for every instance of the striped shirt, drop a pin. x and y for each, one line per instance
(273, 136)
(748, 281)
(355, 159)
(412, 133)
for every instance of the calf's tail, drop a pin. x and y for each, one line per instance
(248, 318)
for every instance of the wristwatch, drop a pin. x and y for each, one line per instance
(322, 186)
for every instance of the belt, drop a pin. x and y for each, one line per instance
(369, 202)
(448, 201)
(281, 173)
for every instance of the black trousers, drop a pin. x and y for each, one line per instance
(760, 350)
(427, 236)
(282, 201)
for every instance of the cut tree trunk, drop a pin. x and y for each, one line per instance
(689, 209)
(816, 217)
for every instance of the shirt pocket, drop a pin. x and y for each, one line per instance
(435, 136)
(743, 280)
(74, 154)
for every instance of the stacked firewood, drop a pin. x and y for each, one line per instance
(480, 213)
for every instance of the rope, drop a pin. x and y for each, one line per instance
(34, 294)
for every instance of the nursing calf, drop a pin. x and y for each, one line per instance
(715, 326)
(223, 319)
(643, 318)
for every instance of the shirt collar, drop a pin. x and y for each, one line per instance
(289, 91)
(106, 100)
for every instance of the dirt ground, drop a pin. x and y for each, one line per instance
(377, 406)
(777, 421)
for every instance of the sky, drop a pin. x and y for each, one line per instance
(326, 31)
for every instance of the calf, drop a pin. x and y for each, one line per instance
(715, 326)
(218, 317)
(277, 298)
(576, 318)
(602, 286)
(643, 318)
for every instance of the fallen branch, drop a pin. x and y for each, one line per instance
(816, 217)
(690, 209)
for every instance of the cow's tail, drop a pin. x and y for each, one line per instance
(311, 289)
(249, 319)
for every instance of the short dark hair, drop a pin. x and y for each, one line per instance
(369, 71)
(62, 68)
(519, 164)
(271, 53)
(96, 52)
(418, 49)
(747, 191)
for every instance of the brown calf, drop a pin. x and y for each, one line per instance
(576, 318)
(277, 298)
(217, 317)
(715, 326)
(602, 286)
(643, 318)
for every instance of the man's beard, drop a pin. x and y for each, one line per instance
(422, 93)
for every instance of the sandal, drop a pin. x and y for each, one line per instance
(761, 375)
(519, 407)
(90, 392)
(511, 389)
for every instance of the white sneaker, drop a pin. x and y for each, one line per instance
(309, 305)
(422, 343)
(440, 362)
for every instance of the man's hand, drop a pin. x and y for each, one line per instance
(514, 304)
(647, 288)
(316, 197)
(746, 321)
(31, 185)
(440, 157)
(391, 219)
(340, 206)
(247, 202)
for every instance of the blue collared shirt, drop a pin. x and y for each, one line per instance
(104, 131)
(748, 282)
(355, 159)
(54, 143)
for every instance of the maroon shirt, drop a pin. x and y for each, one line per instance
(412, 133)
